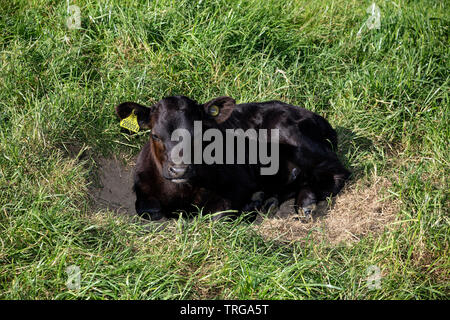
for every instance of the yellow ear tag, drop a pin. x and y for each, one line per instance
(130, 123)
(214, 110)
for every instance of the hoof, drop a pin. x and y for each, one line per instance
(309, 210)
(306, 211)
(150, 214)
(258, 196)
(270, 205)
(255, 202)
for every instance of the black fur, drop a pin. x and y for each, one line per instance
(309, 168)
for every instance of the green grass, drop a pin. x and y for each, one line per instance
(386, 92)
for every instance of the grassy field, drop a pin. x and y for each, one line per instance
(386, 91)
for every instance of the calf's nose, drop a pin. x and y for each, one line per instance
(177, 171)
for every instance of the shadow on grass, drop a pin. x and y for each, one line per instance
(351, 147)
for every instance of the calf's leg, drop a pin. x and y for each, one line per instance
(305, 201)
(147, 207)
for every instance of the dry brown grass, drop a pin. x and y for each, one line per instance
(361, 209)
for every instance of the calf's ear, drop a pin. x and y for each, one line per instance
(124, 110)
(220, 108)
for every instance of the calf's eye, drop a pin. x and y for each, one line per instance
(155, 137)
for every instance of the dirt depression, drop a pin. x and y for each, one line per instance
(362, 208)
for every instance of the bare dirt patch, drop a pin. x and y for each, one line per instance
(111, 184)
(362, 208)
(113, 190)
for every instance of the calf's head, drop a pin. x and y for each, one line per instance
(166, 118)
